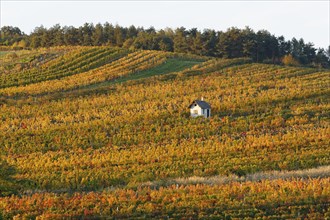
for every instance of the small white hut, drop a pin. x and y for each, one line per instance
(200, 108)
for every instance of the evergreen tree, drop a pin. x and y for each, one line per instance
(119, 36)
(230, 43)
(71, 36)
(249, 43)
(166, 40)
(283, 46)
(55, 36)
(321, 59)
(196, 46)
(132, 32)
(97, 35)
(180, 42)
(210, 41)
(109, 33)
(86, 32)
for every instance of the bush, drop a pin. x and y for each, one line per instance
(289, 60)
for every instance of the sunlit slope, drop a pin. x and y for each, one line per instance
(76, 61)
(133, 63)
(264, 117)
(111, 141)
(136, 65)
(12, 62)
(279, 199)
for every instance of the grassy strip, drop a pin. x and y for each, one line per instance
(171, 65)
(319, 172)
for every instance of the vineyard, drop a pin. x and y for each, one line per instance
(77, 61)
(98, 131)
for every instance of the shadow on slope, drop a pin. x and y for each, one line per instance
(8, 185)
(171, 65)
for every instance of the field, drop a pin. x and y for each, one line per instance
(99, 131)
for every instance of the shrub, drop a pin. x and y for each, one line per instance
(289, 60)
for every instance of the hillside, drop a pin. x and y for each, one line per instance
(99, 131)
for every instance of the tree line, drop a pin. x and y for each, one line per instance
(261, 46)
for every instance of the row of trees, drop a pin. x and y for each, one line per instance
(261, 46)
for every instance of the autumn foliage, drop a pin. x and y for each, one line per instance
(83, 142)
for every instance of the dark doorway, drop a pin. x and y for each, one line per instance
(208, 113)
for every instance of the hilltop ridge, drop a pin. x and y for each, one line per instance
(261, 46)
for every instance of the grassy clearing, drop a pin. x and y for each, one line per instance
(171, 65)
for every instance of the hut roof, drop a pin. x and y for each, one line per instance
(202, 104)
